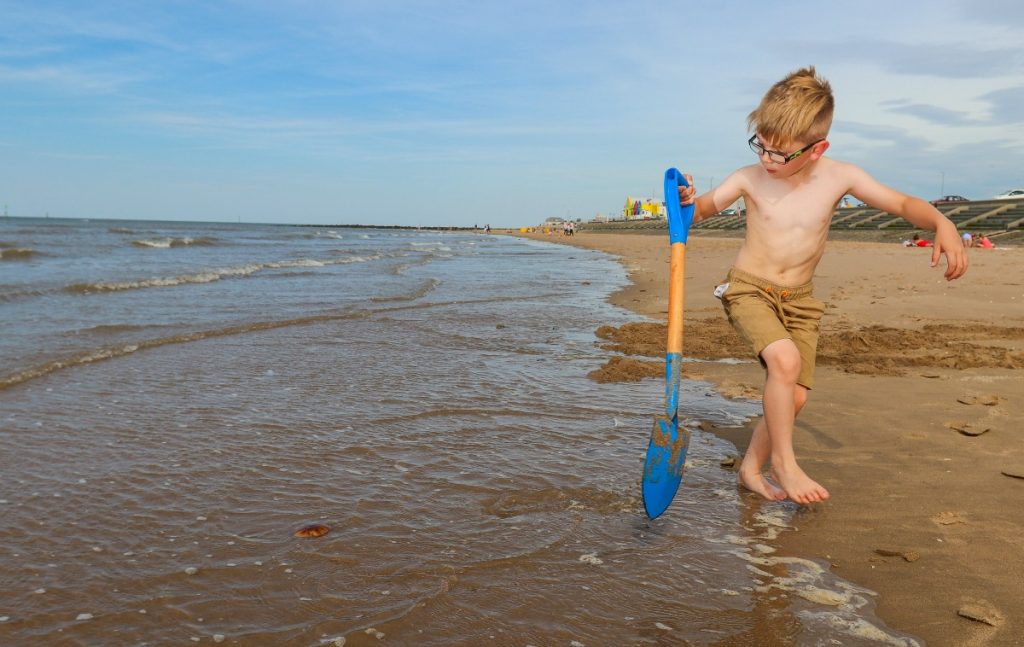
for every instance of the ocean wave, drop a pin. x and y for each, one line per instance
(13, 294)
(166, 243)
(91, 356)
(111, 352)
(310, 262)
(120, 230)
(400, 269)
(209, 276)
(302, 262)
(160, 282)
(111, 329)
(17, 254)
(424, 289)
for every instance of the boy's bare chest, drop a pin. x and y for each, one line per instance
(785, 209)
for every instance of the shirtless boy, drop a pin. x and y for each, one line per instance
(790, 196)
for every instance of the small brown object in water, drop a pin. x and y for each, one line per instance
(312, 531)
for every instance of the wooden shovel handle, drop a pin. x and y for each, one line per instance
(676, 289)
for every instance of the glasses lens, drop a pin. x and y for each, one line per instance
(760, 150)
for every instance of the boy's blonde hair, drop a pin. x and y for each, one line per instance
(797, 108)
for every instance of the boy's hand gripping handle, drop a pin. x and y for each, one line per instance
(679, 217)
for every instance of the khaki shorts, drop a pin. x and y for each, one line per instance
(762, 313)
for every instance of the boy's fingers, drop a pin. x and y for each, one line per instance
(961, 266)
(685, 194)
(956, 265)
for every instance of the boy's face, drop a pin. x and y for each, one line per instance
(798, 153)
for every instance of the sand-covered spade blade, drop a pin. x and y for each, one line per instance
(666, 452)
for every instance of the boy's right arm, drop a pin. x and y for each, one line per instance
(711, 202)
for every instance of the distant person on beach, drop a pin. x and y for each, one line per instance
(985, 243)
(790, 195)
(968, 239)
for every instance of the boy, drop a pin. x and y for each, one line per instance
(790, 197)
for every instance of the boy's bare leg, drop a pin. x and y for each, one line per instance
(758, 453)
(783, 361)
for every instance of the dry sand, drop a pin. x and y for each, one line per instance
(921, 512)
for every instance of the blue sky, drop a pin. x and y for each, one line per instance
(462, 113)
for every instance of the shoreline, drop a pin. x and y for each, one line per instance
(906, 360)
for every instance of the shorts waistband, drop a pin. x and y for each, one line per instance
(784, 291)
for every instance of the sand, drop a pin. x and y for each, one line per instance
(915, 425)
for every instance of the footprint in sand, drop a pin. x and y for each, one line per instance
(949, 518)
(987, 400)
(981, 611)
(969, 428)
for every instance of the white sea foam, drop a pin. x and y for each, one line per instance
(163, 243)
(207, 276)
(302, 262)
(168, 242)
(857, 628)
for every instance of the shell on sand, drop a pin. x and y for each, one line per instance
(313, 530)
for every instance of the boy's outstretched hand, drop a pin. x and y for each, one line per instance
(687, 194)
(947, 241)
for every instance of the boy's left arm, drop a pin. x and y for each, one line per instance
(919, 213)
(947, 239)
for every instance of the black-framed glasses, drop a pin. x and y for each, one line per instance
(778, 156)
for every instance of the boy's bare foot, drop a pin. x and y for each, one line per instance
(755, 481)
(798, 486)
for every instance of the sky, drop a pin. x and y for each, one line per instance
(467, 113)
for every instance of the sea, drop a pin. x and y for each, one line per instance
(177, 399)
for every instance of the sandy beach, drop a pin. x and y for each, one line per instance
(914, 426)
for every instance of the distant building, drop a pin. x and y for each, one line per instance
(643, 209)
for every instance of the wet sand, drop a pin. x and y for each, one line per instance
(916, 423)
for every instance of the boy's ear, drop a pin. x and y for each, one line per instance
(819, 149)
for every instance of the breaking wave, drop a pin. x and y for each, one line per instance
(17, 254)
(159, 282)
(207, 276)
(167, 243)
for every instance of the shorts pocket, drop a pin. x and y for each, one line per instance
(736, 290)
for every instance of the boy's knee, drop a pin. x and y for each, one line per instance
(782, 359)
